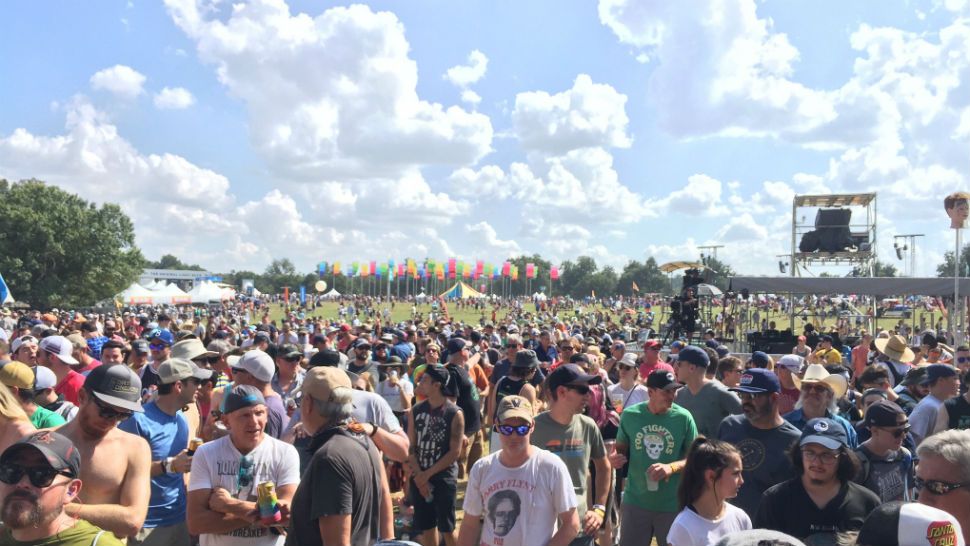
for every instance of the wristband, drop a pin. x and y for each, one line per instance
(374, 429)
(164, 465)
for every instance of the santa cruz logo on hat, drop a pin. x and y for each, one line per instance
(821, 426)
(941, 533)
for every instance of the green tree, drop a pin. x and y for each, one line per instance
(279, 273)
(879, 269)
(945, 269)
(576, 277)
(57, 249)
(648, 277)
(169, 261)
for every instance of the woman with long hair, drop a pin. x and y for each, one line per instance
(712, 475)
(14, 423)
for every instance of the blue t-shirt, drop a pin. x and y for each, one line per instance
(167, 435)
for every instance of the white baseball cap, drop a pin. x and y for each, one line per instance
(60, 347)
(258, 364)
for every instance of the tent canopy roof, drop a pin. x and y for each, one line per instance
(868, 286)
(462, 291)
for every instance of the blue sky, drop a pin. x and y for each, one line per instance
(619, 129)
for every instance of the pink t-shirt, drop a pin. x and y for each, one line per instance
(645, 369)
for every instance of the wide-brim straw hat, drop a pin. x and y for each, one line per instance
(895, 347)
(816, 373)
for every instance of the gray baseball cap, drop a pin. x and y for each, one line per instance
(115, 384)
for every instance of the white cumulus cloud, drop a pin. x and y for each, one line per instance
(121, 80)
(174, 98)
(464, 75)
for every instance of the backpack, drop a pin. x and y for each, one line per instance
(866, 467)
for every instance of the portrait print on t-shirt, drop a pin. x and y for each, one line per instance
(504, 508)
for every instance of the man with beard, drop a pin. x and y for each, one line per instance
(115, 498)
(822, 502)
(166, 429)
(38, 478)
(761, 435)
(821, 391)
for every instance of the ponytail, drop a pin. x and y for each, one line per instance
(704, 454)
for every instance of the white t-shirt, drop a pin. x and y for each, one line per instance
(619, 395)
(216, 464)
(692, 529)
(392, 394)
(521, 506)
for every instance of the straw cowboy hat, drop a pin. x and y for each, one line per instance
(816, 373)
(895, 348)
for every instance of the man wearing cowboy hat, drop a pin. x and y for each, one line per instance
(821, 391)
(895, 356)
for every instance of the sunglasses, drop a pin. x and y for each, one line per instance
(212, 359)
(294, 359)
(109, 413)
(157, 346)
(39, 476)
(809, 387)
(244, 477)
(618, 348)
(963, 359)
(581, 389)
(897, 432)
(508, 430)
(567, 348)
(937, 487)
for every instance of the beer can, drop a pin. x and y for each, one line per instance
(268, 504)
(194, 444)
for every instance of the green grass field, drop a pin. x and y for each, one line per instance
(402, 312)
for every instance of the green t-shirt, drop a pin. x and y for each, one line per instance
(654, 439)
(81, 534)
(45, 418)
(575, 443)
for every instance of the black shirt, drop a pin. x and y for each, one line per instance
(958, 411)
(467, 399)
(787, 508)
(502, 368)
(432, 434)
(342, 478)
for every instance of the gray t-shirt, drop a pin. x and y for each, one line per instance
(709, 406)
(890, 477)
(575, 443)
(764, 456)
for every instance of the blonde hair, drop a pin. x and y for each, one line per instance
(10, 408)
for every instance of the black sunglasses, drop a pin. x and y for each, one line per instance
(581, 389)
(937, 487)
(212, 359)
(109, 413)
(39, 476)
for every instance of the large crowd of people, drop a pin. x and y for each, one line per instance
(543, 426)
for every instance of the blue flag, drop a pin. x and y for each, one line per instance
(5, 296)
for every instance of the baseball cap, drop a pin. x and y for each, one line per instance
(60, 347)
(652, 344)
(258, 364)
(694, 355)
(115, 384)
(790, 362)
(326, 357)
(722, 351)
(289, 350)
(439, 374)
(321, 381)
(938, 371)
(758, 380)
(161, 335)
(760, 359)
(759, 537)
(826, 337)
(57, 449)
(824, 431)
(261, 337)
(17, 374)
(44, 378)
(20, 341)
(909, 524)
(177, 369)
(628, 359)
(140, 346)
(362, 343)
(570, 374)
(456, 344)
(677, 345)
(663, 379)
(242, 396)
(883, 413)
(619, 344)
(514, 406)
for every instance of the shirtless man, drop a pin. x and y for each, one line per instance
(115, 465)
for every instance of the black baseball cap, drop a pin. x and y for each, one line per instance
(938, 371)
(289, 350)
(571, 374)
(663, 379)
(56, 448)
(883, 413)
(326, 357)
(115, 384)
(440, 374)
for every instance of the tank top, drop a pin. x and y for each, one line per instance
(432, 432)
(507, 386)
